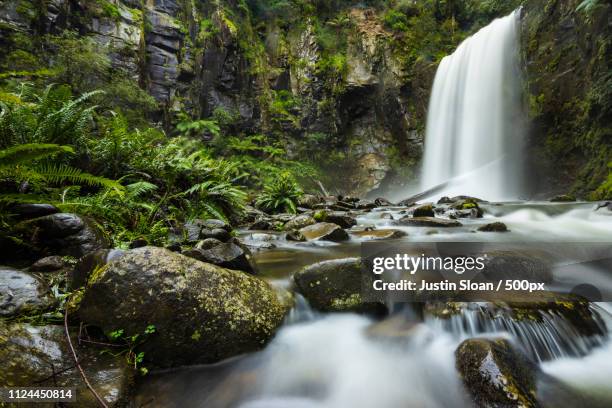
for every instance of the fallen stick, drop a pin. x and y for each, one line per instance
(78, 365)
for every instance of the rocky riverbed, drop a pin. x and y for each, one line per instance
(289, 285)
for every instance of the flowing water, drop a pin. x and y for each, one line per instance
(474, 135)
(336, 361)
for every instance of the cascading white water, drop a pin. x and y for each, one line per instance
(474, 132)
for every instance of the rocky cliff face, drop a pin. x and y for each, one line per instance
(568, 79)
(339, 89)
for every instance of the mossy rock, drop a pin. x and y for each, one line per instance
(336, 286)
(202, 313)
(495, 374)
(31, 354)
(22, 294)
(426, 210)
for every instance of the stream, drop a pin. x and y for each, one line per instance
(337, 360)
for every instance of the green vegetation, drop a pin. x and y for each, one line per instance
(280, 195)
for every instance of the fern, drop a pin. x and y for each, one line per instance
(30, 152)
(281, 195)
(57, 174)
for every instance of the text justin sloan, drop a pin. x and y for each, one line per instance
(464, 284)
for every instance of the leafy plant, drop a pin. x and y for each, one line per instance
(130, 344)
(280, 195)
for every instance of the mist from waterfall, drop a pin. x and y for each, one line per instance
(474, 137)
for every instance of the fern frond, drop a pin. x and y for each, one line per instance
(139, 188)
(26, 153)
(54, 173)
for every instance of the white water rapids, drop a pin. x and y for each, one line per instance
(474, 134)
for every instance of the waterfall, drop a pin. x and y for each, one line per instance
(474, 133)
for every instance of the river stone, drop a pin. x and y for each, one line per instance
(340, 218)
(63, 234)
(216, 233)
(428, 222)
(261, 225)
(208, 243)
(202, 313)
(426, 210)
(48, 264)
(29, 211)
(563, 198)
(309, 200)
(383, 202)
(298, 222)
(30, 354)
(324, 231)
(379, 234)
(227, 255)
(214, 223)
(22, 293)
(494, 227)
(533, 266)
(495, 374)
(336, 286)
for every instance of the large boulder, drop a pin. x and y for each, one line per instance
(78, 276)
(227, 255)
(22, 293)
(202, 313)
(336, 286)
(495, 374)
(426, 210)
(324, 231)
(39, 356)
(63, 234)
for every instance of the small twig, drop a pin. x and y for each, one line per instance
(76, 361)
(99, 343)
(54, 374)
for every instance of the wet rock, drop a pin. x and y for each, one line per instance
(29, 211)
(469, 213)
(48, 264)
(364, 205)
(426, 210)
(324, 231)
(39, 356)
(445, 200)
(340, 218)
(88, 264)
(208, 243)
(174, 247)
(336, 286)
(379, 234)
(298, 222)
(428, 222)
(467, 207)
(309, 201)
(494, 227)
(22, 293)
(227, 255)
(606, 204)
(383, 202)
(495, 374)
(261, 225)
(563, 198)
(534, 266)
(216, 233)
(214, 224)
(138, 243)
(295, 235)
(203, 313)
(63, 234)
